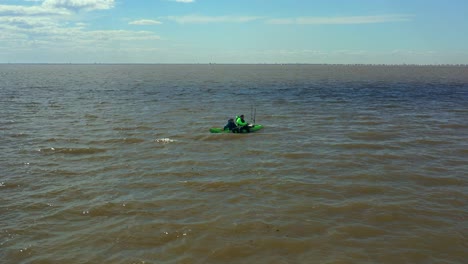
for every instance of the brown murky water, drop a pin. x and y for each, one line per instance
(115, 164)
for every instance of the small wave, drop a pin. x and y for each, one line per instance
(298, 155)
(430, 142)
(69, 140)
(220, 185)
(164, 140)
(358, 190)
(454, 126)
(372, 135)
(132, 128)
(91, 116)
(436, 181)
(369, 123)
(221, 136)
(59, 172)
(121, 140)
(358, 231)
(347, 207)
(462, 151)
(72, 151)
(19, 135)
(352, 146)
(10, 185)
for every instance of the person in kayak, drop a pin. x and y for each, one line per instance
(231, 125)
(240, 122)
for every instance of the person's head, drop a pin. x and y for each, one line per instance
(242, 116)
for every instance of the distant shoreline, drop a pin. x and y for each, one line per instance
(272, 64)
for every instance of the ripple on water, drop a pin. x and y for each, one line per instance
(72, 151)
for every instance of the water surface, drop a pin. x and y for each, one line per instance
(115, 164)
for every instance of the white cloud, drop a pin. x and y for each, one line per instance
(25, 23)
(81, 24)
(47, 30)
(55, 7)
(15, 10)
(196, 19)
(343, 20)
(145, 22)
(50, 28)
(184, 1)
(77, 5)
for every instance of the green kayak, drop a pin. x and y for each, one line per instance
(220, 130)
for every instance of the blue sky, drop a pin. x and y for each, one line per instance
(234, 31)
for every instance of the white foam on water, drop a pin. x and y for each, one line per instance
(164, 140)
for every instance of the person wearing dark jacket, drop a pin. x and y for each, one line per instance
(231, 125)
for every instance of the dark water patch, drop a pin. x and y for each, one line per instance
(191, 163)
(424, 180)
(62, 173)
(321, 191)
(19, 135)
(342, 166)
(353, 190)
(221, 186)
(142, 128)
(429, 142)
(455, 199)
(391, 214)
(72, 151)
(454, 126)
(369, 123)
(95, 158)
(226, 136)
(358, 231)
(298, 155)
(110, 209)
(460, 110)
(456, 164)
(376, 156)
(357, 177)
(462, 152)
(118, 141)
(351, 208)
(145, 184)
(437, 169)
(91, 116)
(373, 135)
(11, 184)
(364, 146)
(54, 105)
(297, 171)
(59, 139)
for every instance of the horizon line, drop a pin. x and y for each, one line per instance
(228, 63)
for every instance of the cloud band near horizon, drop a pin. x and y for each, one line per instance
(341, 20)
(332, 20)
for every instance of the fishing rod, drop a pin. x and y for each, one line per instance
(253, 113)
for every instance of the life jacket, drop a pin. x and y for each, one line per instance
(240, 122)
